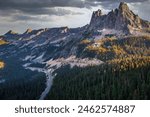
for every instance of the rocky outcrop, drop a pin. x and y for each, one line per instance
(28, 31)
(64, 29)
(10, 32)
(122, 19)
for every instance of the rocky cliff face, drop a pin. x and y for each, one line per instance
(122, 19)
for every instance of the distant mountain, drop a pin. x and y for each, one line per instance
(28, 31)
(121, 19)
(11, 33)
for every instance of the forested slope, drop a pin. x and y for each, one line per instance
(124, 75)
(102, 82)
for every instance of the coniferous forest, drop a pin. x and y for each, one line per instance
(101, 82)
(20, 83)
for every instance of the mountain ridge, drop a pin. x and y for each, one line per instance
(121, 18)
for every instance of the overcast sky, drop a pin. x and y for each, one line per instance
(18, 15)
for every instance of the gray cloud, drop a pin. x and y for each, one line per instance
(48, 6)
(42, 15)
(36, 7)
(19, 4)
(34, 4)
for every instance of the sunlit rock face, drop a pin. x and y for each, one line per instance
(121, 18)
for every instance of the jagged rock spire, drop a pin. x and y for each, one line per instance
(29, 30)
(123, 7)
(121, 19)
(97, 13)
(11, 32)
(64, 29)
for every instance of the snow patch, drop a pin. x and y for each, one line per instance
(54, 64)
(58, 40)
(26, 44)
(73, 61)
(105, 32)
(39, 45)
(39, 59)
(29, 57)
(26, 65)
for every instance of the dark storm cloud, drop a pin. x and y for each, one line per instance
(45, 7)
(28, 4)
(18, 4)
(48, 6)
(41, 11)
(36, 16)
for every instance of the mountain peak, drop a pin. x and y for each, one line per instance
(97, 13)
(123, 6)
(120, 19)
(11, 32)
(64, 29)
(29, 30)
